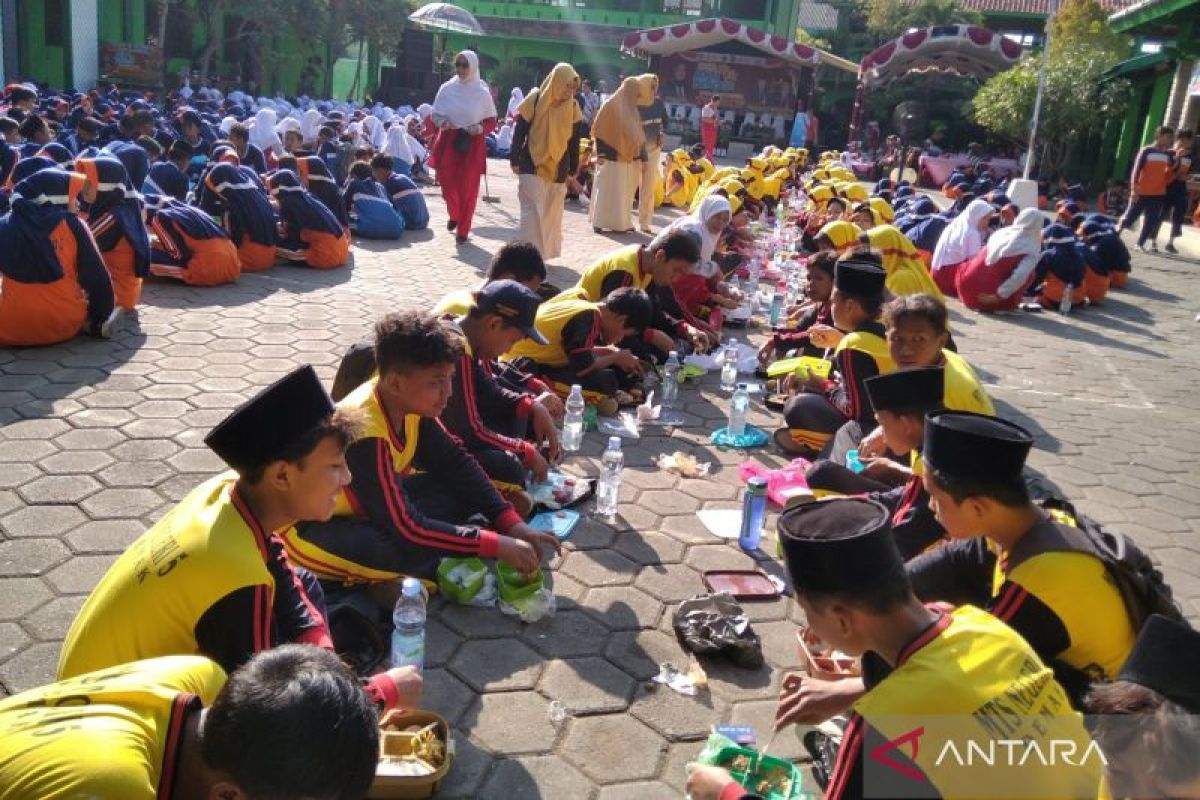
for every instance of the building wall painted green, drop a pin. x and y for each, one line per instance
(122, 21)
(39, 61)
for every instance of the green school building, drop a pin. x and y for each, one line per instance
(1165, 78)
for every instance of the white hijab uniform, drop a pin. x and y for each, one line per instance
(310, 124)
(397, 144)
(418, 149)
(262, 133)
(698, 224)
(962, 238)
(374, 133)
(516, 96)
(1022, 238)
(504, 136)
(465, 101)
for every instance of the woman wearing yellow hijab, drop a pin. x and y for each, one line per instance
(680, 183)
(620, 143)
(906, 272)
(653, 115)
(883, 209)
(838, 236)
(545, 150)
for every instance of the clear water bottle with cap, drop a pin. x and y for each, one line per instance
(777, 304)
(739, 409)
(609, 485)
(729, 369)
(670, 384)
(572, 432)
(1064, 305)
(408, 626)
(754, 514)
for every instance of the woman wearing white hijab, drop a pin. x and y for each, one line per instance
(959, 243)
(515, 98)
(464, 114)
(310, 124)
(397, 147)
(997, 277)
(702, 291)
(374, 133)
(263, 135)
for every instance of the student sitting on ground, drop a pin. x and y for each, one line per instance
(653, 268)
(1110, 252)
(372, 215)
(53, 282)
(175, 726)
(116, 219)
(309, 232)
(825, 404)
(938, 668)
(791, 339)
(314, 174)
(248, 216)
(583, 344)
(502, 314)
(169, 178)
(1061, 267)
(188, 245)
(249, 154)
(415, 494)
(1148, 719)
(212, 577)
(997, 277)
(906, 272)
(900, 400)
(405, 196)
(1031, 570)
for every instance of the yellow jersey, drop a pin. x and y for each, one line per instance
(206, 579)
(963, 688)
(114, 733)
(457, 303)
(964, 392)
(552, 317)
(617, 269)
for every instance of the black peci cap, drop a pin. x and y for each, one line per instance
(908, 391)
(839, 544)
(515, 302)
(261, 428)
(974, 446)
(859, 278)
(1164, 659)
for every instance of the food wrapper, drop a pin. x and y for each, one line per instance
(683, 464)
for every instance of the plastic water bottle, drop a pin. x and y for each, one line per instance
(670, 385)
(739, 408)
(1064, 305)
(777, 305)
(609, 485)
(754, 513)
(408, 626)
(572, 432)
(729, 370)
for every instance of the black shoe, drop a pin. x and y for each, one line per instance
(451, 225)
(1170, 248)
(460, 239)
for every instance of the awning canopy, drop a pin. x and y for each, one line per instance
(1136, 64)
(963, 49)
(702, 33)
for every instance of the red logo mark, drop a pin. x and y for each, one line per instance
(882, 754)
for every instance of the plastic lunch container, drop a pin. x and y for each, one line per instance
(512, 586)
(397, 742)
(461, 594)
(728, 754)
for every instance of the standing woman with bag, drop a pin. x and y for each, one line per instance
(464, 114)
(545, 150)
(620, 145)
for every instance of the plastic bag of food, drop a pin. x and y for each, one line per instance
(714, 624)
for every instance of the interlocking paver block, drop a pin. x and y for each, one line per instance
(492, 665)
(542, 776)
(587, 685)
(600, 568)
(566, 634)
(614, 748)
(31, 556)
(59, 489)
(512, 722)
(33, 521)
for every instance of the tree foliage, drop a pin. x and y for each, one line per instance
(806, 38)
(887, 19)
(1075, 101)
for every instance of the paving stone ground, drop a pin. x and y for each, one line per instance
(99, 439)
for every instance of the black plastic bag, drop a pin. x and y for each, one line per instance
(714, 624)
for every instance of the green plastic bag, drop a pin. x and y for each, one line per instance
(721, 751)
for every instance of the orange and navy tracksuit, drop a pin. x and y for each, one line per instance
(1153, 171)
(116, 220)
(416, 496)
(311, 232)
(315, 175)
(53, 282)
(190, 246)
(248, 216)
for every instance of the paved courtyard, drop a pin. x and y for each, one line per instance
(99, 439)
